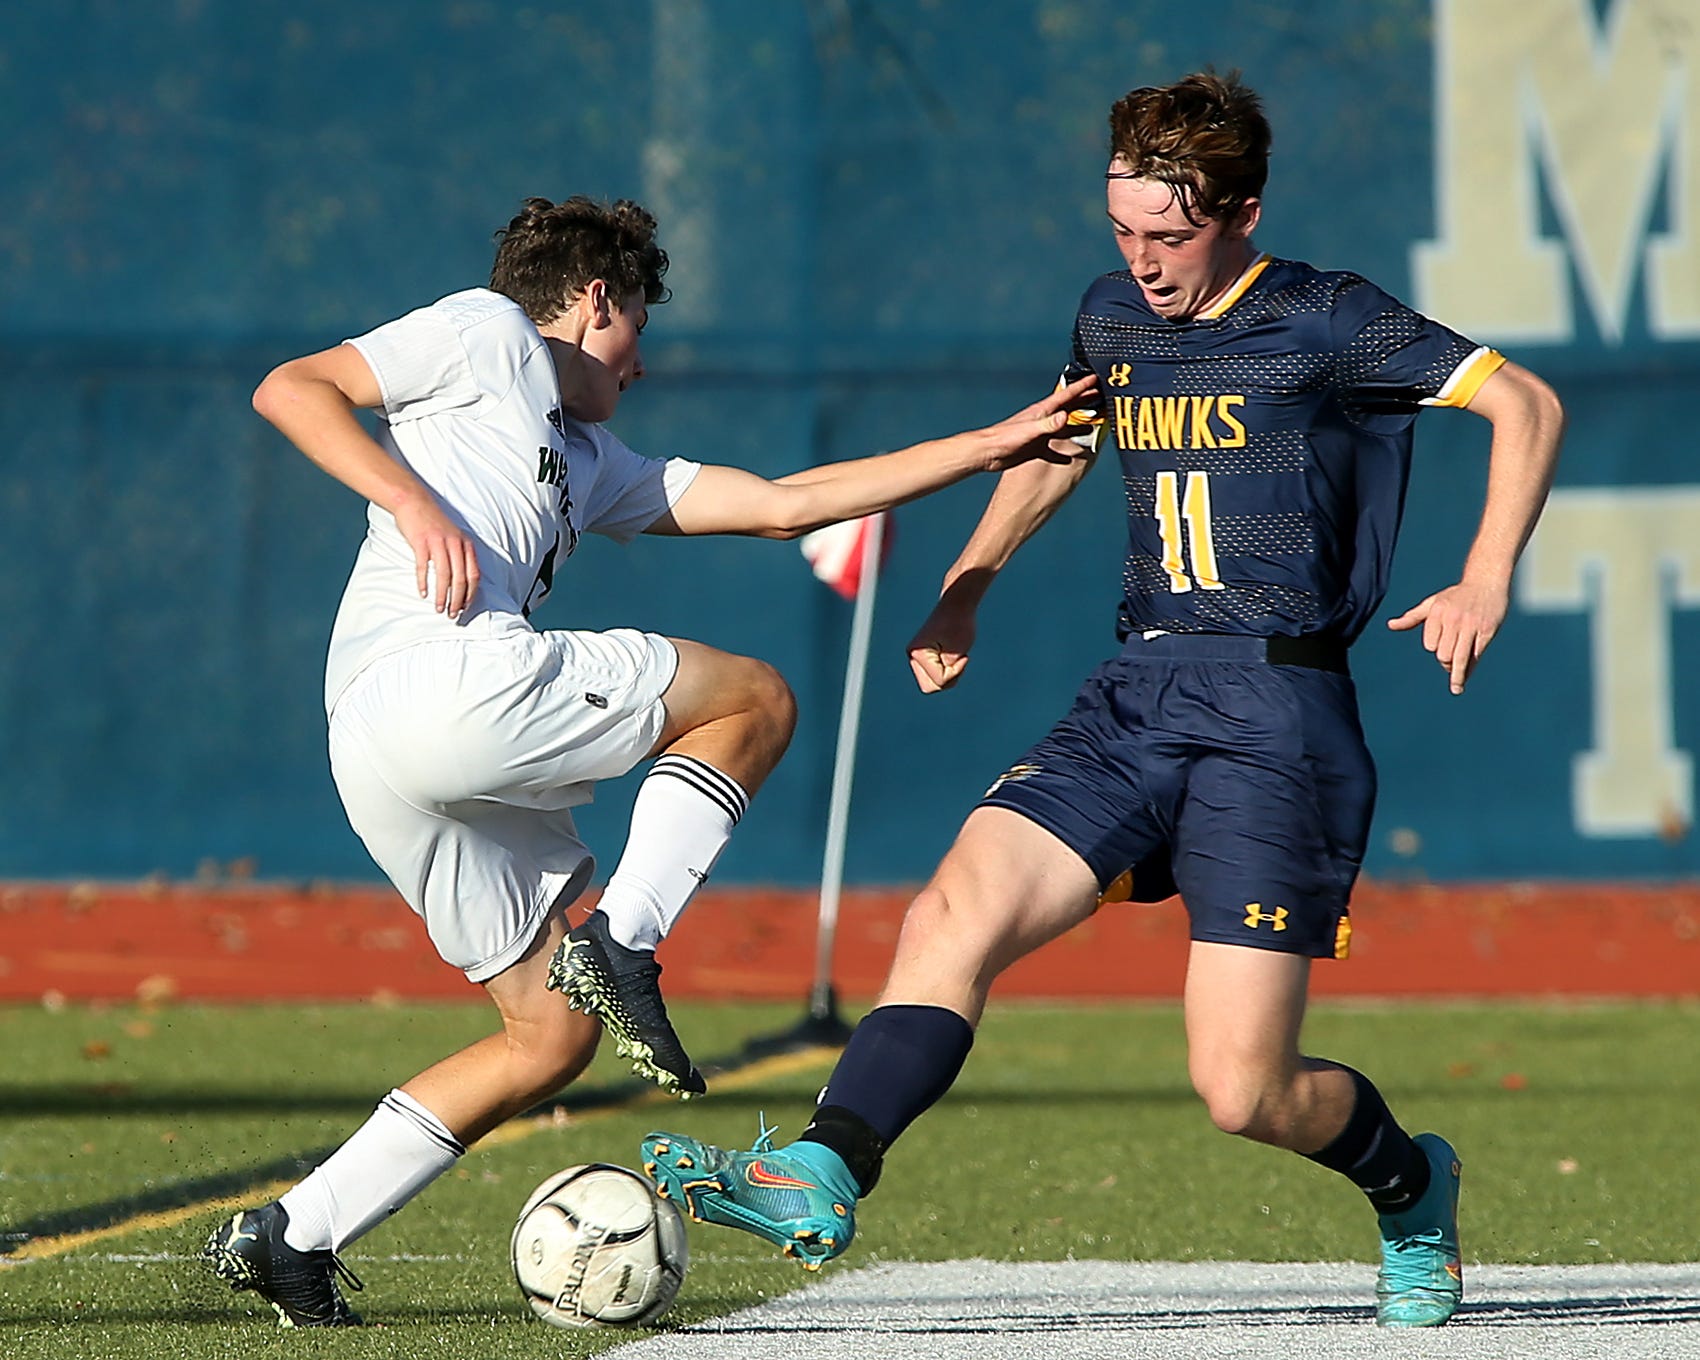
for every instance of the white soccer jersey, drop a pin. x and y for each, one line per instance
(472, 405)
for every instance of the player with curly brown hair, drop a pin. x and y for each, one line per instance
(461, 736)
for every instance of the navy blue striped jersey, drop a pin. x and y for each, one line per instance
(1265, 444)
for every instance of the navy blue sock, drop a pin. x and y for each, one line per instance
(898, 1064)
(1375, 1154)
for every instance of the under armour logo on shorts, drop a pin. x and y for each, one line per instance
(595, 700)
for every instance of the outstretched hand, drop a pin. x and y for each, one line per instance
(1031, 432)
(445, 558)
(1457, 623)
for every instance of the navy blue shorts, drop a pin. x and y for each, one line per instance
(1196, 764)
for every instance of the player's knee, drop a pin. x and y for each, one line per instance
(1233, 1112)
(772, 699)
(767, 715)
(1239, 1103)
(937, 928)
(930, 919)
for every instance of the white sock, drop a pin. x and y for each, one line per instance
(388, 1160)
(682, 818)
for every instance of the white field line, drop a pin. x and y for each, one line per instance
(1107, 1310)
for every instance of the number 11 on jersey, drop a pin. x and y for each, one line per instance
(1192, 509)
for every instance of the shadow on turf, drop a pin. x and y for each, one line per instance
(1043, 1319)
(177, 1195)
(117, 1098)
(109, 1100)
(229, 1184)
(1631, 1310)
(69, 1100)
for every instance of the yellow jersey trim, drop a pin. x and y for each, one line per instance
(1467, 379)
(1235, 293)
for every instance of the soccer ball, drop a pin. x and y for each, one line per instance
(595, 1246)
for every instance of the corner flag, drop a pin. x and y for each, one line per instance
(838, 551)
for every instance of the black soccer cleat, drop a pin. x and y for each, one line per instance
(249, 1252)
(622, 988)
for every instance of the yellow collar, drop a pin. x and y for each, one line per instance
(1234, 294)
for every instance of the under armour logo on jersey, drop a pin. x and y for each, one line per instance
(595, 700)
(1121, 375)
(1255, 916)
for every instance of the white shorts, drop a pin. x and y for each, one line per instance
(457, 762)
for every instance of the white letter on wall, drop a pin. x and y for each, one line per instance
(1527, 83)
(1627, 558)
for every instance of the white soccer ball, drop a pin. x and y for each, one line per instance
(595, 1246)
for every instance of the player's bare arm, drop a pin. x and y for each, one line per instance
(312, 401)
(1528, 422)
(1024, 499)
(727, 500)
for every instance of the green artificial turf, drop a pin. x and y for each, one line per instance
(1072, 1131)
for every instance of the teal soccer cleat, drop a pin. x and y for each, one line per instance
(801, 1197)
(1422, 1276)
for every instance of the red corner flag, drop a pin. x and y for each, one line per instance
(836, 552)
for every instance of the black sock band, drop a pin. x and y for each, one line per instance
(719, 788)
(1375, 1154)
(852, 1138)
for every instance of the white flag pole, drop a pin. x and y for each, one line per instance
(822, 1001)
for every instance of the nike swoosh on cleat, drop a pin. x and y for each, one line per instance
(757, 1174)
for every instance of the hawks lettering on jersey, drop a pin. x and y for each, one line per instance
(1265, 445)
(1207, 421)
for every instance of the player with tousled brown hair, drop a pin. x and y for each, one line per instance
(1261, 412)
(1205, 137)
(461, 736)
(578, 238)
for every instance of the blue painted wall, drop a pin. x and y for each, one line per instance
(881, 216)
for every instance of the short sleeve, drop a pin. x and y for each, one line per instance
(421, 365)
(1391, 360)
(631, 492)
